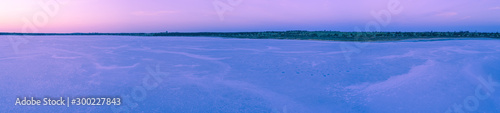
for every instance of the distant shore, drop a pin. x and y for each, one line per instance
(303, 35)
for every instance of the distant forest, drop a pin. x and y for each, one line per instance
(304, 35)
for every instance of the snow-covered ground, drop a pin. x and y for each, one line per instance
(203, 74)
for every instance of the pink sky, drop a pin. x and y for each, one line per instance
(249, 15)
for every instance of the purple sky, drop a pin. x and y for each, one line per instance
(246, 15)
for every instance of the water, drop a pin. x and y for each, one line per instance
(204, 74)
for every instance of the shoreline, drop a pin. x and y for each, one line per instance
(302, 35)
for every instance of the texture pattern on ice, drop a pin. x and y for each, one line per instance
(201, 74)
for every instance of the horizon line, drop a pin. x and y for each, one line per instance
(239, 32)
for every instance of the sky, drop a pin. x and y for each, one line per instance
(62, 16)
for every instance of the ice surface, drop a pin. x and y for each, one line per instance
(203, 74)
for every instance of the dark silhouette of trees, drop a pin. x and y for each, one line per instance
(303, 35)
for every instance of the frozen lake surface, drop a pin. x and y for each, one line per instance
(208, 75)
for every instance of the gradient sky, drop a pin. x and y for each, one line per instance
(249, 15)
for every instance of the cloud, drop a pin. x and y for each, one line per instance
(466, 17)
(495, 8)
(152, 13)
(447, 14)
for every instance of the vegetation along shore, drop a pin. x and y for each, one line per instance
(303, 35)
